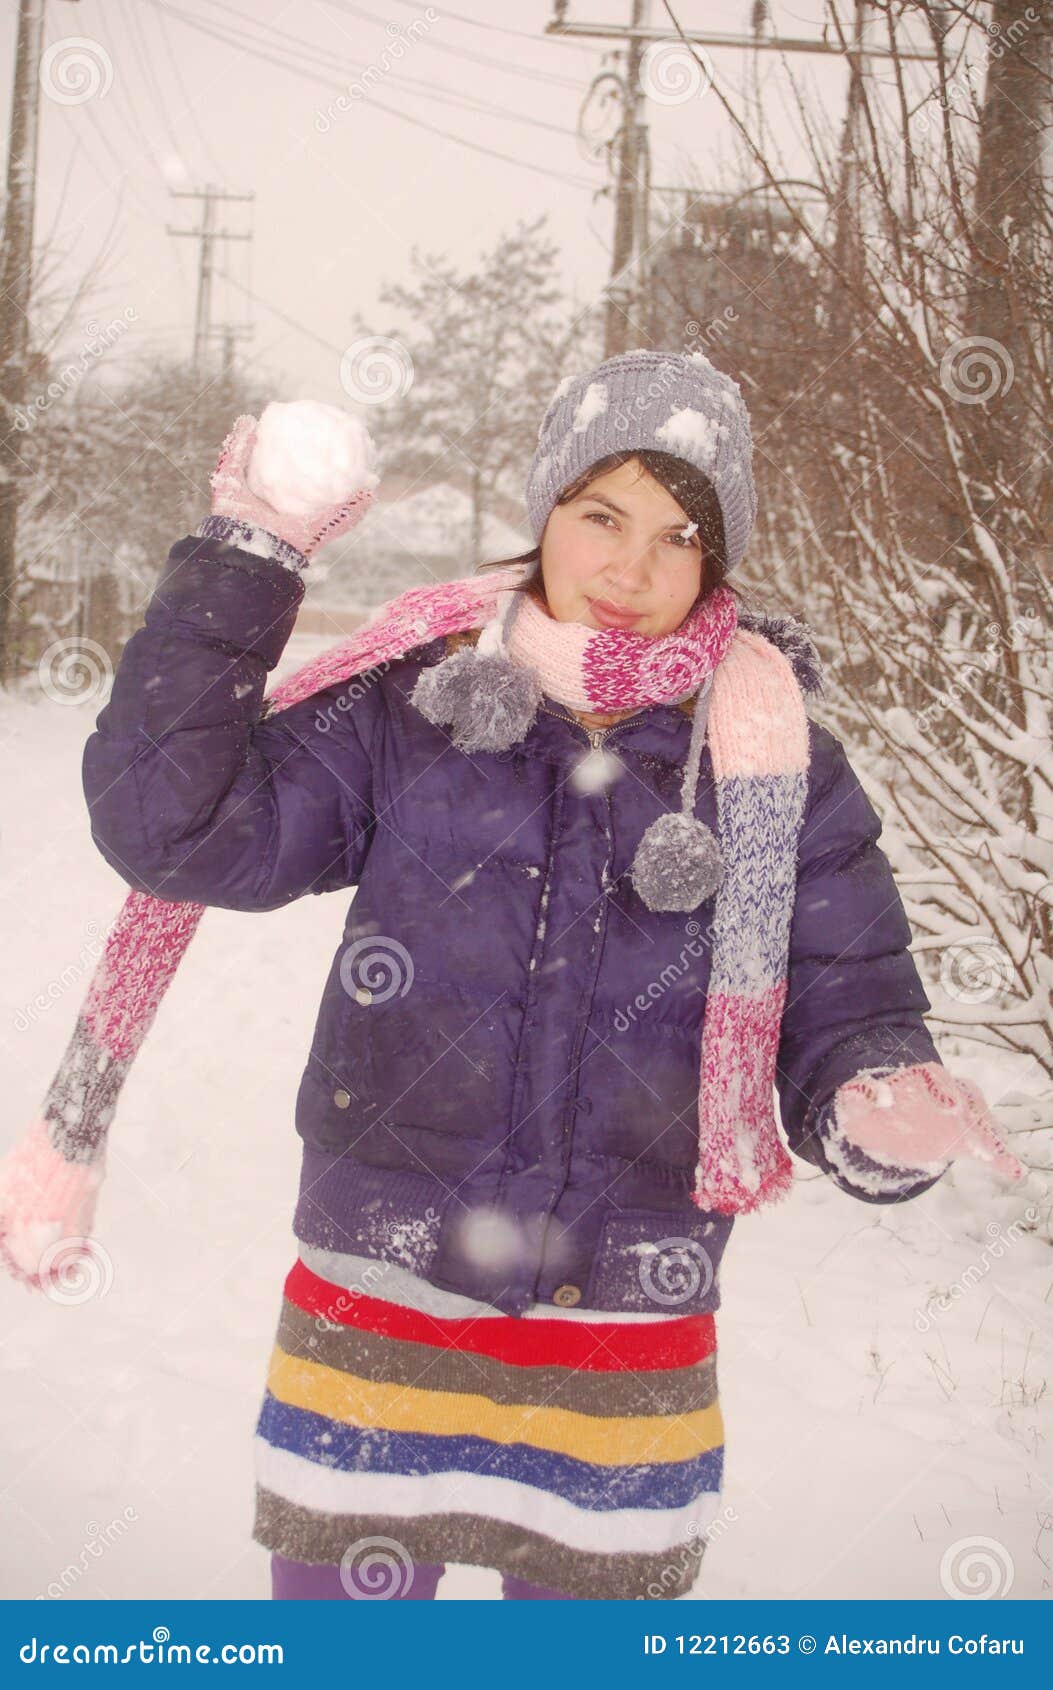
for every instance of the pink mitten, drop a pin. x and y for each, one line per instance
(921, 1115)
(232, 497)
(45, 1201)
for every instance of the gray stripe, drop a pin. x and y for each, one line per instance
(400, 1361)
(473, 1540)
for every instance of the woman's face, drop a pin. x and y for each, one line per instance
(621, 546)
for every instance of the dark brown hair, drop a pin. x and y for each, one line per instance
(689, 486)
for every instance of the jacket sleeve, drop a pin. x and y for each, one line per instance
(192, 793)
(854, 998)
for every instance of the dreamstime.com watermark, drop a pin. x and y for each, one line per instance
(671, 973)
(72, 374)
(669, 375)
(401, 37)
(1002, 1241)
(984, 663)
(328, 718)
(688, 1558)
(71, 975)
(159, 1648)
(99, 1539)
(406, 1240)
(962, 92)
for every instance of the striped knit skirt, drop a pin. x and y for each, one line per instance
(577, 1449)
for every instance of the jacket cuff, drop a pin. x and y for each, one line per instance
(862, 1175)
(260, 541)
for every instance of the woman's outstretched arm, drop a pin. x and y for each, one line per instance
(855, 1001)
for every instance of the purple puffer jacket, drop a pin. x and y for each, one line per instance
(496, 1112)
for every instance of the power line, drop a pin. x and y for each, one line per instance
(553, 79)
(143, 59)
(415, 122)
(188, 104)
(438, 91)
(293, 322)
(481, 23)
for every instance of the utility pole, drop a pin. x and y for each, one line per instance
(629, 250)
(16, 280)
(208, 235)
(627, 195)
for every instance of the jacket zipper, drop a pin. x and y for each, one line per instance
(596, 736)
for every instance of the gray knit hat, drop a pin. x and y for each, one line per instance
(661, 401)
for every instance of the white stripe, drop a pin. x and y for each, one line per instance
(392, 1283)
(405, 1496)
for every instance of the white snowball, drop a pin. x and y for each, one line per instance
(309, 455)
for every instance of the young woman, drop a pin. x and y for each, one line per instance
(613, 886)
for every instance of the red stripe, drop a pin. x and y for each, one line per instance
(598, 1346)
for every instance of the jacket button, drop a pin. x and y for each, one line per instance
(341, 1098)
(567, 1295)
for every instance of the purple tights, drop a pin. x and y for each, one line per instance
(302, 1581)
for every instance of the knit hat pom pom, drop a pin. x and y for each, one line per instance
(677, 863)
(487, 701)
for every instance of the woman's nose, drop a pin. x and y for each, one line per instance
(632, 569)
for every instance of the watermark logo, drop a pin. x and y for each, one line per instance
(376, 968)
(75, 1270)
(975, 971)
(672, 73)
(76, 69)
(975, 369)
(375, 369)
(976, 1569)
(376, 1569)
(674, 1270)
(74, 671)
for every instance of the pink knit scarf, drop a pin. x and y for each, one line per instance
(758, 738)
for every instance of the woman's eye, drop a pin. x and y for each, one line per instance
(686, 541)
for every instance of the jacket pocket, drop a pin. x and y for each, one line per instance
(325, 1109)
(655, 1262)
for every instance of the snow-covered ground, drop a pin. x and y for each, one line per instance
(873, 1449)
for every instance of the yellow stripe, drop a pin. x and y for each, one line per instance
(621, 1442)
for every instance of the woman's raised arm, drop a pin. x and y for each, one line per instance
(191, 794)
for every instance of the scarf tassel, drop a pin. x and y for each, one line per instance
(489, 703)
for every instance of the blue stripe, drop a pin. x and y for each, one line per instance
(372, 1449)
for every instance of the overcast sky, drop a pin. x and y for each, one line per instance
(342, 198)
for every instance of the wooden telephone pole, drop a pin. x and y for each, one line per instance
(632, 185)
(16, 280)
(208, 235)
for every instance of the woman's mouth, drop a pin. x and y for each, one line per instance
(612, 616)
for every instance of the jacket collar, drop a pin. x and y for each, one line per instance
(661, 730)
